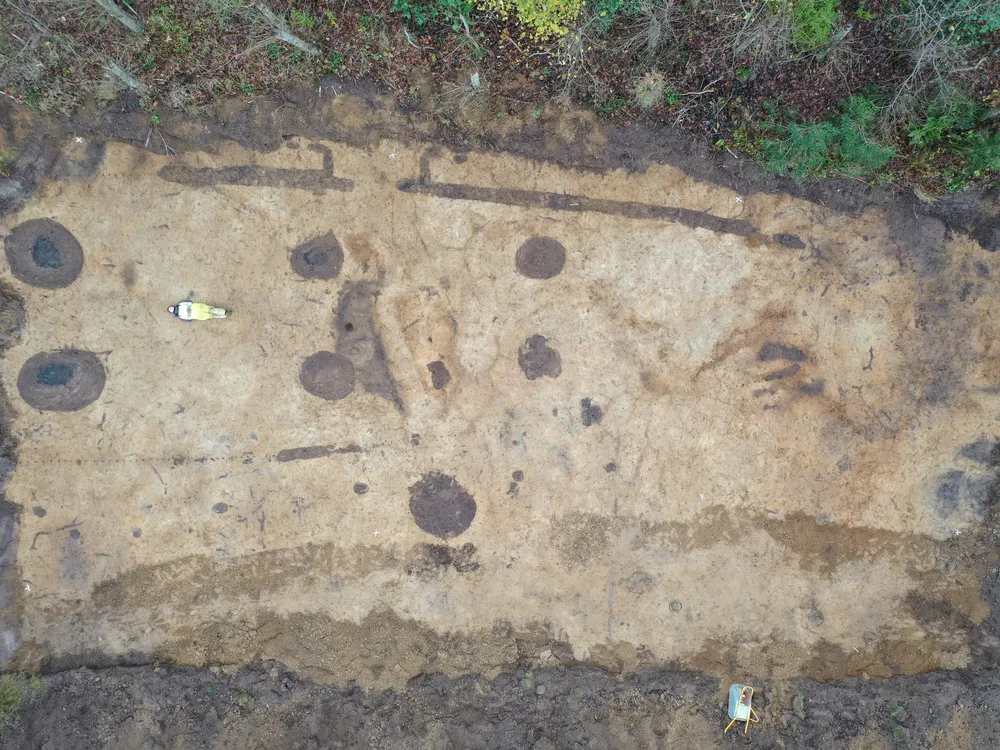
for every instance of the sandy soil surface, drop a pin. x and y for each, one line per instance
(474, 411)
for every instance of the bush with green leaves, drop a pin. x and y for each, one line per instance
(542, 19)
(840, 146)
(455, 13)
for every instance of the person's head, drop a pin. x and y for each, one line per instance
(172, 310)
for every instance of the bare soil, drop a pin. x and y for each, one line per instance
(475, 660)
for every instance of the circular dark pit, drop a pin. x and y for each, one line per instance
(64, 380)
(44, 253)
(441, 506)
(327, 375)
(319, 258)
(540, 258)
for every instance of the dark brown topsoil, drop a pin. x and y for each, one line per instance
(268, 707)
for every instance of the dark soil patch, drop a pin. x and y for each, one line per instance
(64, 380)
(440, 376)
(327, 375)
(359, 342)
(540, 258)
(591, 412)
(539, 360)
(441, 506)
(44, 254)
(319, 258)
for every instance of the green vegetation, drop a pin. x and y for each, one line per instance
(175, 33)
(244, 701)
(813, 22)
(900, 90)
(14, 690)
(841, 146)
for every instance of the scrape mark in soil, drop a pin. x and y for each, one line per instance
(359, 342)
(772, 351)
(63, 380)
(537, 359)
(790, 241)
(441, 506)
(254, 176)
(579, 203)
(784, 372)
(314, 451)
(44, 253)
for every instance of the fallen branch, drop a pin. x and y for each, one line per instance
(282, 33)
(130, 22)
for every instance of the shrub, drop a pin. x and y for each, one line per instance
(945, 114)
(838, 146)
(813, 22)
(423, 12)
(544, 19)
(650, 89)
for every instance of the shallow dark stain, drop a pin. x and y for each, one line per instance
(74, 533)
(360, 488)
(949, 491)
(844, 464)
(512, 489)
(314, 451)
(63, 380)
(573, 203)
(460, 158)
(415, 439)
(939, 389)
(982, 451)
(319, 258)
(54, 374)
(784, 372)
(220, 507)
(920, 239)
(813, 387)
(358, 340)
(518, 476)
(441, 506)
(431, 560)
(590, 412)
(611, 467)
(39, 511)
(328, 375)
(540, 258)
(791, 241)
(440, 377)
(772, 351)
(317, 180)
(136, 533)
(982, 270)
(129, 275)
(45, 253)
(537, 359)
